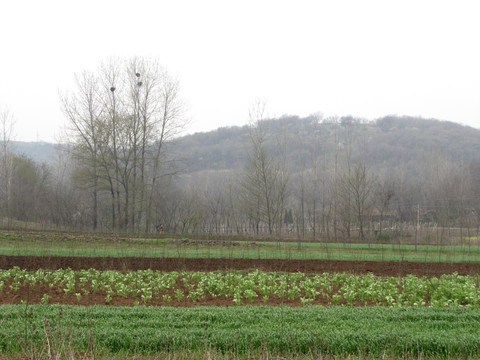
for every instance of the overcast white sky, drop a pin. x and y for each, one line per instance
(364, 58)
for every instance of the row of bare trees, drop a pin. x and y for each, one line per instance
(336, 195)
(331, 197)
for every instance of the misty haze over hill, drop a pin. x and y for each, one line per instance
(336, 178)
(388, 142)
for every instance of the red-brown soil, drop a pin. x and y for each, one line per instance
(179, 264)
(33, 295)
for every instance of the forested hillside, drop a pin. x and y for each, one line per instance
(389, 142)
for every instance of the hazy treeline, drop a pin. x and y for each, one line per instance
(347, 178)
(124, 168)
(331, 189)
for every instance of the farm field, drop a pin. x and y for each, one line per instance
(463, 250)
(196, 304)
(244, 332)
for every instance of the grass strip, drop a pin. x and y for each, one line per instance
(242, 253)
(242, 332)
(51, 244)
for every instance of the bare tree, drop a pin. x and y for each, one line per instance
(383, 196)
(164, 119)
(263, 186)
(360, 186)
(120, 120)
(312, 183)
(6, 159)
(356, 186)
(64, 199)
(85, 115)
(111, 100)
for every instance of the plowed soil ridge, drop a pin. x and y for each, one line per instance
(187, 264)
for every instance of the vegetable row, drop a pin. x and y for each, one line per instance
(240, 288)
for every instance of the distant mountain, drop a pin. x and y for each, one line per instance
(388, 142)
(40, 152)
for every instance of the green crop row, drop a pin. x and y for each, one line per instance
(148, 286)
(239, 332)
(52, 244)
